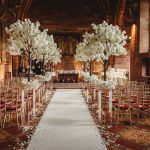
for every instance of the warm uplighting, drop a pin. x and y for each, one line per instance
(75, 75)
(2, 71)
(133, 38)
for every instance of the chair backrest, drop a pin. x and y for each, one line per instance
(124, 95)
(146, 97)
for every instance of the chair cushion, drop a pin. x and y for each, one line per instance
(114, 101)
(134, 96)
(122, 107)
(141, 107)
(19, 101)
(7, 101)
(1, 97)
(2, 106)
(133, 101)
(13, 107)
(2, 102)
(146, 101)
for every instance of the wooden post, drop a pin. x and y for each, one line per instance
(110, 104)
(34, 103)
(29, 62)
(87, 95)
(99, 105)
(23, 106)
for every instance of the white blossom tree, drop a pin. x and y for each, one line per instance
(107, 40)
(25, 38)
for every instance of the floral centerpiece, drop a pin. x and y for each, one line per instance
(108, 84)
(118, 75)
(86, 76)
(29, 85)
(42, 78)
(93, 78)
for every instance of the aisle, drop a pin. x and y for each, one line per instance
(66, 125)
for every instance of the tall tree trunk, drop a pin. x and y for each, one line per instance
(91, 68)
(43, 64)
(51, 66)
(84, 63)
(105, 69)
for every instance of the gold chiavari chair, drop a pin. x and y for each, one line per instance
(142, 107)
(2, 108)
(122, 110)
(146, 99)
(12, 107)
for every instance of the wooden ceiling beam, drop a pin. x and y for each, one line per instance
(102, 8)
(24, 7)
(118, 11)
(109, 8)
(60, 28)
(77, 16)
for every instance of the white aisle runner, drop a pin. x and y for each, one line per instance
(67, 125)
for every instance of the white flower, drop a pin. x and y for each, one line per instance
(109, 84)
(86, 76)
(53, 73)
(93, 78)
(49, 53)
(33, 84)
(43, 78)
(118, 75)
(47, 77)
